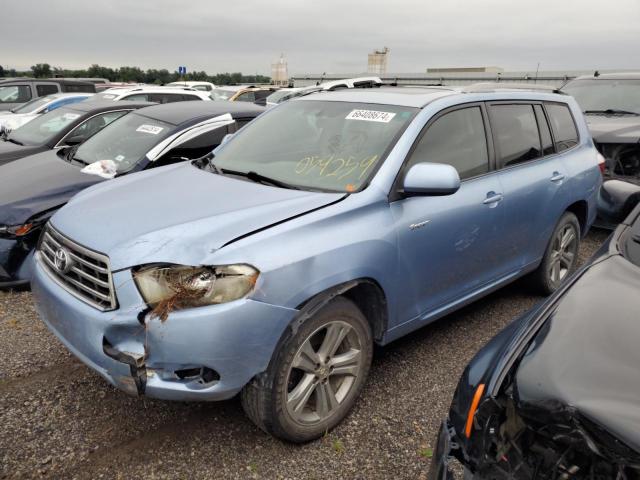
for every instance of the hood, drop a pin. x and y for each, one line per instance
(37, 183)
(177, 214)
(586, 355)
(10, 151)
(614, 128)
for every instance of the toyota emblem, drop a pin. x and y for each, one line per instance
(62, 260)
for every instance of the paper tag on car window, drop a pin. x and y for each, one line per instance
(149, 129)
(119, 158)
(70, 116)
(370, 116)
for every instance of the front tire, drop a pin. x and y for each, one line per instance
(314, 377)
(560, 258)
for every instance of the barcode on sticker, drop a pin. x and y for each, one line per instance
(370, 116)
(149, 129)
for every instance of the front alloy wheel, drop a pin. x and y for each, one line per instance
(315, 375)
(323, 372)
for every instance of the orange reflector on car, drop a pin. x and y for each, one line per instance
(23, 229)
(472, 409)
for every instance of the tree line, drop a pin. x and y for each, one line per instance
(133, 74)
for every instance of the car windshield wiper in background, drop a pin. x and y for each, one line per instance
(9, 139)
(611, 111)
(259, 178)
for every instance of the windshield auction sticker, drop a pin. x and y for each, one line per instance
(370, 116)
(149, 129)
(70, 116)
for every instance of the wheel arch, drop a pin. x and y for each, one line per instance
(580, 209)
(365, 293)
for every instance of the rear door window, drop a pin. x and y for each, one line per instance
(190, 97)
(165, 97)
(458, 139)
(515, 132)
(138, 97)
(46, 89)
(564, 128)
(246, 97)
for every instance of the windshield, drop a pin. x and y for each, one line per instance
(125, 141)
(605, 94)
(317, 145)
(105, 96)
(41, 129)
(221, 94)
(33, 105)
(281, 96)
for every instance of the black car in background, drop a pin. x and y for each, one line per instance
(556, 394)
(62, 127)
(34, 187)
(16, 91)
(611, 103)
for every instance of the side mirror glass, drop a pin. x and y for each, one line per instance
(431, 179)
(74, 140)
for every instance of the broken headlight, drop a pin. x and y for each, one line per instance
(167, 288)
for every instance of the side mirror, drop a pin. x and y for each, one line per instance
(431, 179)
(75, 140)
(616, 200)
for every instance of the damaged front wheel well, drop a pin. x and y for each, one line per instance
(368, 296)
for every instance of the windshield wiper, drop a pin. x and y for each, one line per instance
(259, 178)
(12, 140)
(611, 111)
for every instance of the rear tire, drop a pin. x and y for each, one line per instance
(561, 256)
(315, 376)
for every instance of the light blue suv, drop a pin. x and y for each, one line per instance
(327, 225)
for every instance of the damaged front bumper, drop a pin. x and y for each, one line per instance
(206, 353)
(15, 262)
(443, 454)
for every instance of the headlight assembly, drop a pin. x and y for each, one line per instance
(174, 287)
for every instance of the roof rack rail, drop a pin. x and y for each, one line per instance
(493, 86)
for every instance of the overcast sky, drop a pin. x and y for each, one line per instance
(321, 36)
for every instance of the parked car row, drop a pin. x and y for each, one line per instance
(265, 253)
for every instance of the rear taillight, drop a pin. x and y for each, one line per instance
(601, 162)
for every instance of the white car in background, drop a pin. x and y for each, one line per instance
(202, 86)
(285, 94)
(12, 119)
(148, 93)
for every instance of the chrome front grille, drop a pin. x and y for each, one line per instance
(82, 272)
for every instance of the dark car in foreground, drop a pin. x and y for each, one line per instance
(611, 103)
(34, 187)
(63, 127)
(556, 394)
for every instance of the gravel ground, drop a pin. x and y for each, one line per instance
(60, 420)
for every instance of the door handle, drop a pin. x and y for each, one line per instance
(557, 177)
(493, 198)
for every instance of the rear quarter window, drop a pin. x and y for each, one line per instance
(563, 126)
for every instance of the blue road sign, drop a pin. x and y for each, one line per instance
(182, 70)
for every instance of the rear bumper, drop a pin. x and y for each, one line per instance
(141, 355)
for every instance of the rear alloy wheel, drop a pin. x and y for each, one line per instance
(315, 377)
(561, 255)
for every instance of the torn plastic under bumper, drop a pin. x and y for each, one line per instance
(15, 262)
(146, 356)
(446, 444)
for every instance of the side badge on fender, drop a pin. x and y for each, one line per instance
(415, 226)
